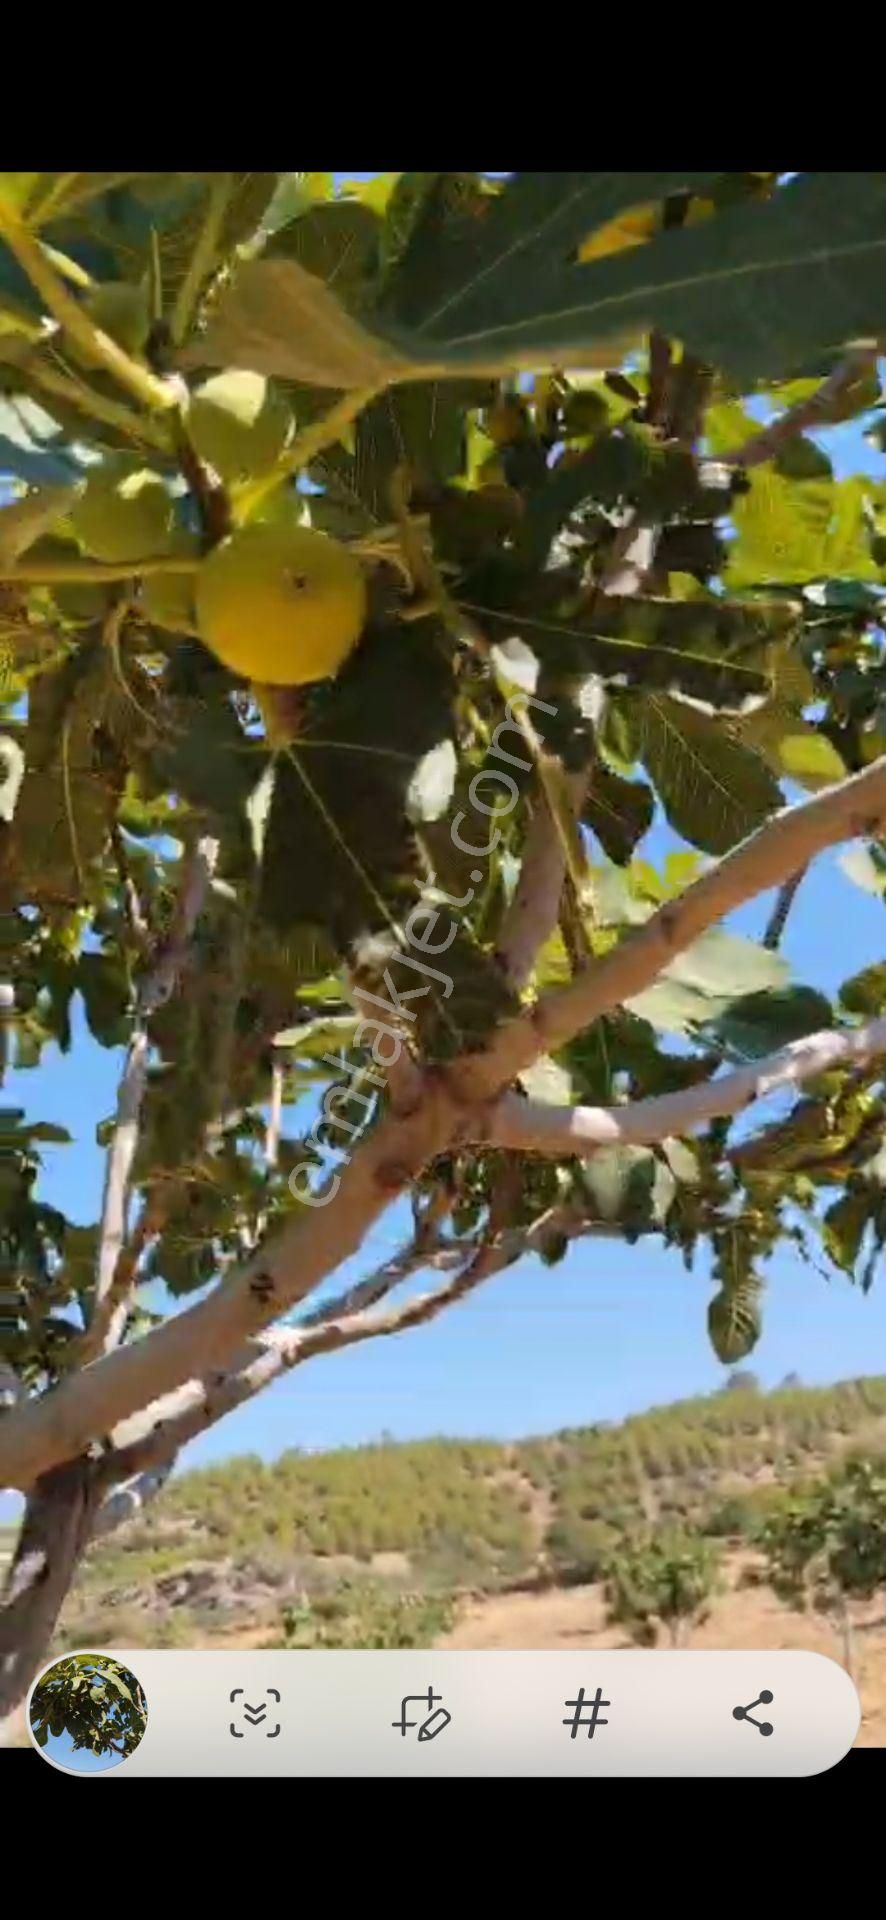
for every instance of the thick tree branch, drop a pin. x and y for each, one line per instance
(535, 1127)
(56, 1527)
(153, 1438)
(276, 1278)
(788, 841)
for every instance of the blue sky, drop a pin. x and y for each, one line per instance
(610, 1331)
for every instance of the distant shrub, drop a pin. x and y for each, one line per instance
(663, 1581)
(357, 1614)
(731, 1519)
(580, 1550)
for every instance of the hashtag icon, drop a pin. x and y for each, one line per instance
(594, 1718)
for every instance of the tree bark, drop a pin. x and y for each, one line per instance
(56, 1528)
(785, 842)
(537, 1126)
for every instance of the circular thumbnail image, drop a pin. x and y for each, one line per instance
(87, 1713)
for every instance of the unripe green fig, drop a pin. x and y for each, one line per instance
(123, 515)
(238, 425)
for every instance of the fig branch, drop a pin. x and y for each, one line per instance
(98, 347)
(115, 1276)
(783, 844)
(535, 1127)
(53, 573)
(449, 1111)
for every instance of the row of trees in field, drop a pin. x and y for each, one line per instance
(479, 1512)
(481, 1516)
(823, 1547)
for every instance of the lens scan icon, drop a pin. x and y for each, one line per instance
(87, 1713)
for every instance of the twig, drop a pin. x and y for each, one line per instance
(211, 498)
(817, 411)
(78, 393)
(117, 1271)
(202, 1403)
(52, 573)
(305, 447)
(203, 257)
(137, 926)
(377, 1285)
(75, 321)
(149, 1442)
(197, 871)
(130, 1499)
(547, 867)
(272, 1132)
(118, 1169)
(497, 1250)
(779, 918)
(573, 929)
(532, 911)
(427, 1249)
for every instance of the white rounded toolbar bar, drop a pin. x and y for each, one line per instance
(445, 1713)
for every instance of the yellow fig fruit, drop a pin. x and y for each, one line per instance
(281, 605)
(238, 425)
(123, 515)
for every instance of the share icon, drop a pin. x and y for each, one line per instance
(744, 1713)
